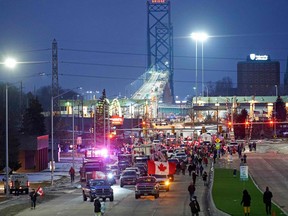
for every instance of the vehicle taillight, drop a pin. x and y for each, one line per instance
(28, 184)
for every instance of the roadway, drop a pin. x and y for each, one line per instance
(268, 167)
(155, 84)
(174, 202)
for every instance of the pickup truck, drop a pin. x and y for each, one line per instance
(164, 182)
(23, 183)
(147, 186)
(97, 188)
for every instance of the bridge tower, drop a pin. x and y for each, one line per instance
(160, 41)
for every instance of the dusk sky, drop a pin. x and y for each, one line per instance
(102, 44)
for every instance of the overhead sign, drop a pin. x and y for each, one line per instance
(255, 57)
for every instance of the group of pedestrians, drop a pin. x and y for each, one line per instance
(198, 161)
(246, 201)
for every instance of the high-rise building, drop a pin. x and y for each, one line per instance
(258, 76)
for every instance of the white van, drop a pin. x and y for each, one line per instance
(23, 182)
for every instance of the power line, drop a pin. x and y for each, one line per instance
(133, 79)
(144, 68)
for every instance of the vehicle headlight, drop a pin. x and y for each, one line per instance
(167, 182)
(93, 190)
(110, 176)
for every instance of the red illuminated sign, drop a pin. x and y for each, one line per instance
(158, 1)
(117, 120)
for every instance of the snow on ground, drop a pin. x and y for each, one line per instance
(61, 169)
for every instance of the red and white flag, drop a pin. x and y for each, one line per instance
(40, 191)
(161, 168)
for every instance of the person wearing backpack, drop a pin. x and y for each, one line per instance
(195, 207)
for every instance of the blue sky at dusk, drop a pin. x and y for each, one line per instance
(103, 44)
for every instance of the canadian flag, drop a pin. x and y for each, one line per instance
(161, 168)
(40, 191)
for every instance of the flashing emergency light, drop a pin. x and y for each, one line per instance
(104, 153)
(110, 176)
(229, 124)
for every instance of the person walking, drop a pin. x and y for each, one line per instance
(190, 168)
(246, 202)
(194, 175)
(195, 207)
(33, 197)
(191, 189)
(97, 207)
(72, 174)
(245, 158)
(205, 177)
(267, 196)
(17, 187)
(183, 167)
(103, 207)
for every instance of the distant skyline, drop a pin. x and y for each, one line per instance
(102, 44)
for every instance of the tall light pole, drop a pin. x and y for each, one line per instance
(10, 63)
(199, 36)
(195, 37)
(73, 135)
(52, 132)
(217, 117)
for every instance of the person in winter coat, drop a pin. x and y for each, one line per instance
(183, 167)
(267, 196)
(33, 196)
(205, 178)
(194, 175)
(97, 207)
(246, 202)
(72, 174)
(191, 189)
(190, 169)
(195, 207)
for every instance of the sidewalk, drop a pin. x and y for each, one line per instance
(61, 181)
(203, 193)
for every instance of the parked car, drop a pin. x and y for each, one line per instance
(147, 186)
(128, 177)
(97, 188)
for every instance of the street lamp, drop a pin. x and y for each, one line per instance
(199, 36)
(10, 63)
(52, 131)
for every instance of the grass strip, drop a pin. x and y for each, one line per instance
(227, 194)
